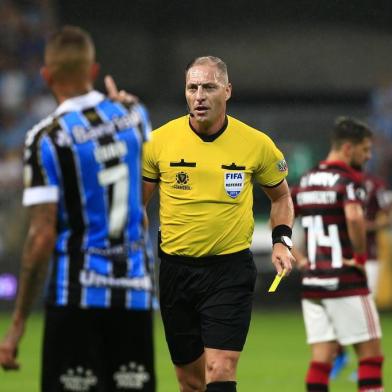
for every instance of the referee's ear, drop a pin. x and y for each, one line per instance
(228, 89)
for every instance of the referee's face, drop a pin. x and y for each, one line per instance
(206, 92)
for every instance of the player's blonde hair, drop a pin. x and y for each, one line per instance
(69, 53)
(219, 63)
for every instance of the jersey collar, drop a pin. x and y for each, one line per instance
(357, 174)
(80, 102)
(211, 138)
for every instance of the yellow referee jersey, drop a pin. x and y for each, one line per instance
(206, 185)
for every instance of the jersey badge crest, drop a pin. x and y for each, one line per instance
(182, 181)
(234, 183)
(282, 165)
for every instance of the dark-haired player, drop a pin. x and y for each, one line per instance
(337, 305)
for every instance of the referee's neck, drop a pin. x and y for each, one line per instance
(206, 128)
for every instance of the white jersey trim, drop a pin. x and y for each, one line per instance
(80, 102)
(41, 194)
(327, 283)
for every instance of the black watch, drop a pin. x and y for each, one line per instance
(285, 240)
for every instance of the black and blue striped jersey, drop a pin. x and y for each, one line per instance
(86, 157)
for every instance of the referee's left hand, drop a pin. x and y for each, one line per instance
(282, 258)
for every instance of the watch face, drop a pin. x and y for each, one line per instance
(287, 241)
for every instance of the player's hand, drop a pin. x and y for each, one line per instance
(9, 347)
(282, 258)
(303, 264)
(353, 263)
(121, 96)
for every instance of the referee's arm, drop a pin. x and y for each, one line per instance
(282, 213)
(148, 189)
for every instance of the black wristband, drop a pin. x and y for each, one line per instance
(281, 230)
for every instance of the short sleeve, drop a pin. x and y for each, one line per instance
(273, 168)
(41, 180)
(354, 193)
(150, 164)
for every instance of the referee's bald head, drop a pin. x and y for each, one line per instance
(69, 54)
(220, 65)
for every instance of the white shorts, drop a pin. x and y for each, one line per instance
(348, 320)
(372, 268)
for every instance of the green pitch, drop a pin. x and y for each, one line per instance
(275, 356)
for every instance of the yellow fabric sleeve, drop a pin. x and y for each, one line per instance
(150, 166)
(274, 167)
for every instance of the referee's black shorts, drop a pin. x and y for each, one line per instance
(206, 302)
(93, 350)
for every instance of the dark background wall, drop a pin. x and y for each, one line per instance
(275, 50)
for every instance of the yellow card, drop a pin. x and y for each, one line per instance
(276, 282)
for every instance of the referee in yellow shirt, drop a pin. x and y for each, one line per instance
(205, 164)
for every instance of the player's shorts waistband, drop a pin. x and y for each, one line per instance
(206, 260)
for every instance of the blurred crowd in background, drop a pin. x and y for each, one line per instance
(25, 100)
(380, 120)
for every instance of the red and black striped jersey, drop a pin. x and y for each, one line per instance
(319, 200)
(376, 200)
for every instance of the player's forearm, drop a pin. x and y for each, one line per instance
(282, 211)
(35, 260)
(357, 234)
(356, 227)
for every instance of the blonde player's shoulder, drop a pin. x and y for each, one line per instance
(171, 128)
(36, 130)
(249, 132)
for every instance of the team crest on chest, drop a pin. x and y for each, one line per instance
(234, 183)
(182, 181)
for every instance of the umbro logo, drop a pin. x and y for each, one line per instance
(78, 379)
(131, 376)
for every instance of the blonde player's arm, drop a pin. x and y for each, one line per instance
(37, 250)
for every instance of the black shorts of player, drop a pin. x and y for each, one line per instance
(97, 350)
(206, 302)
